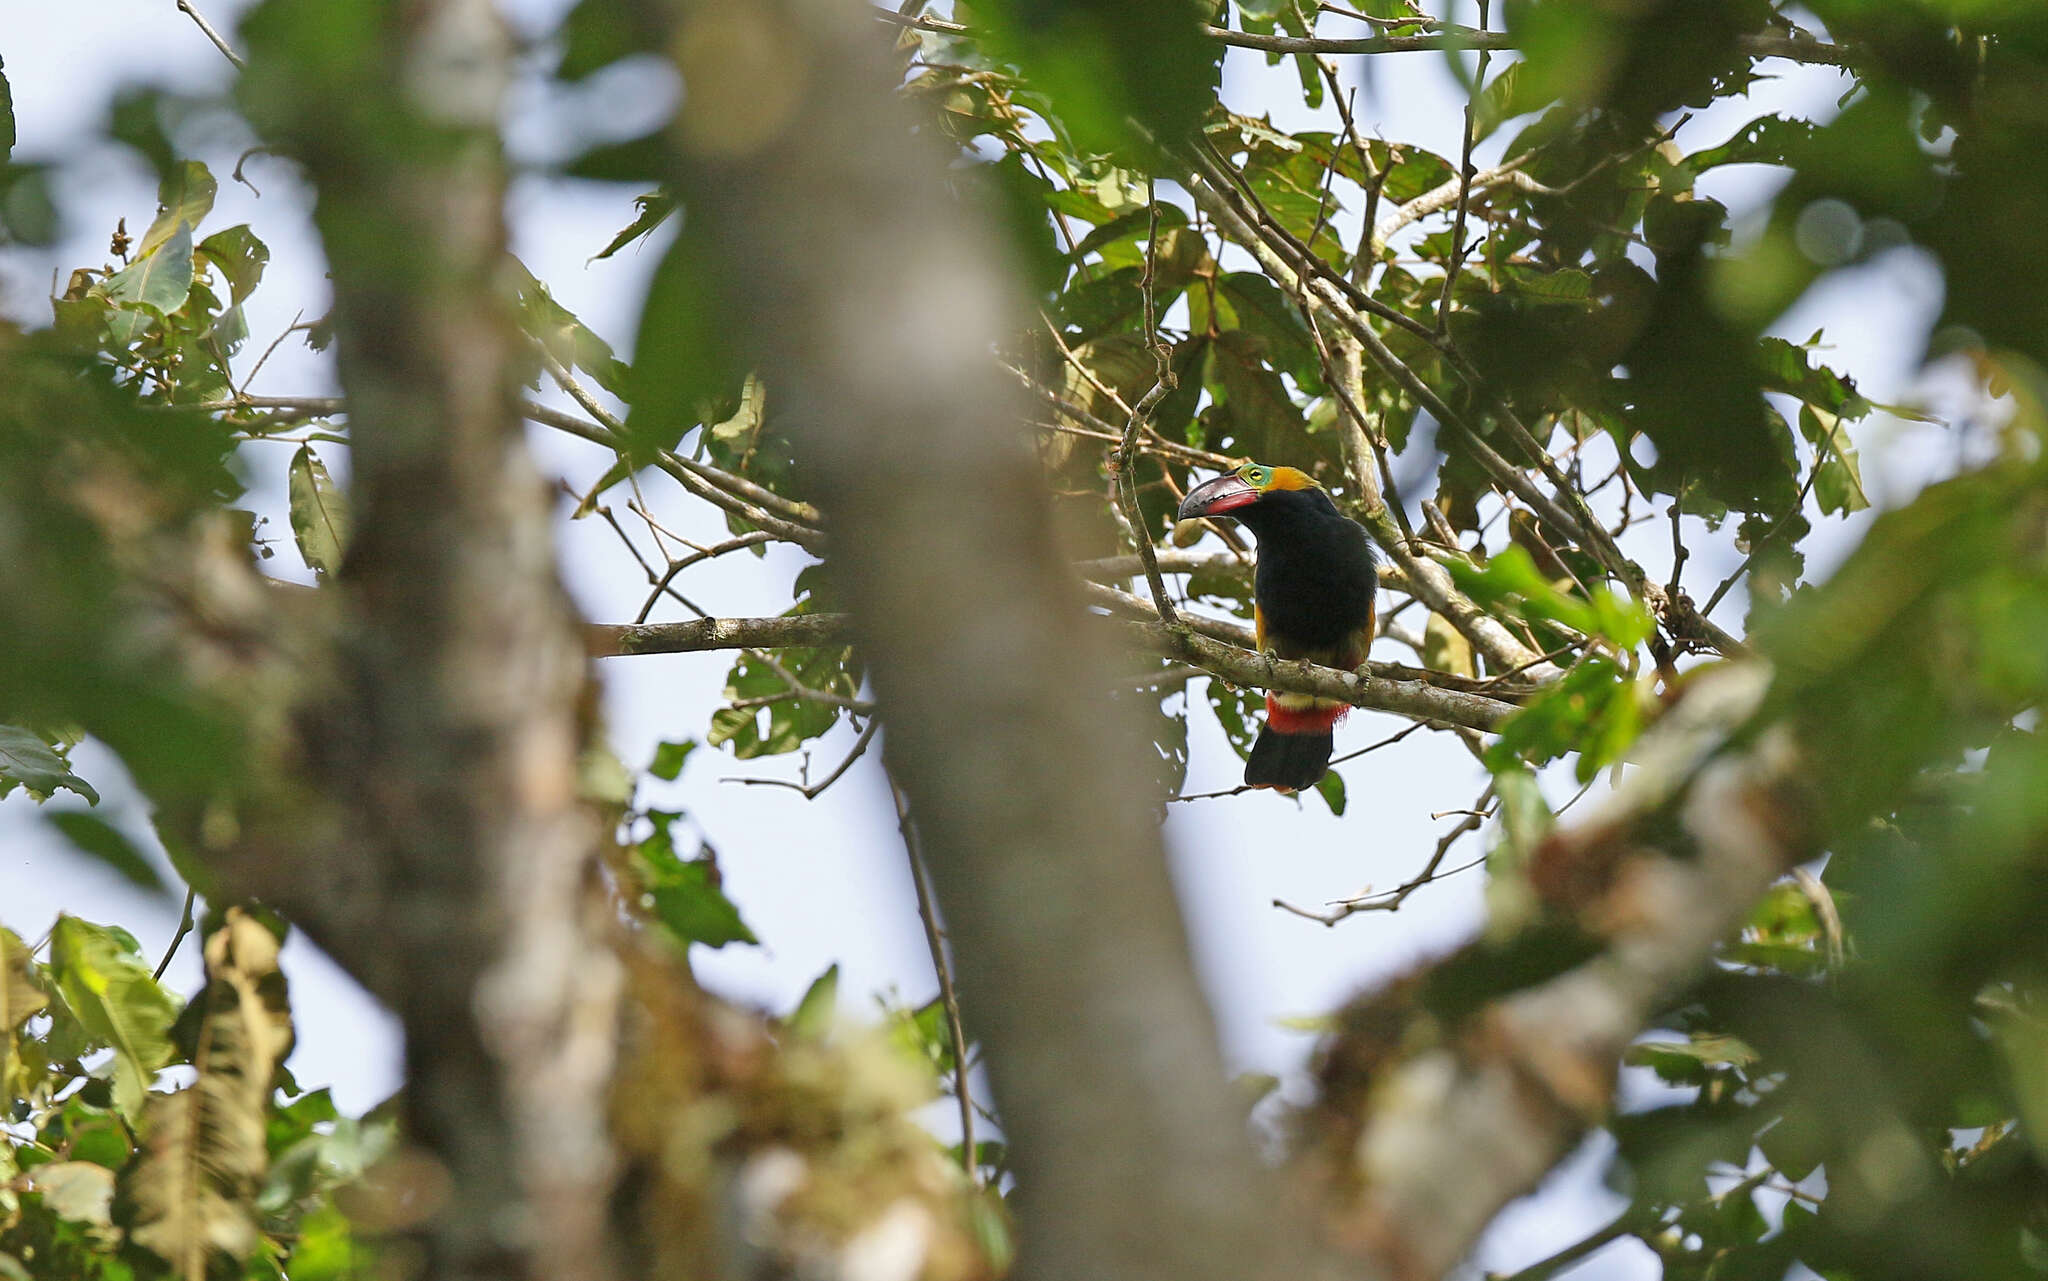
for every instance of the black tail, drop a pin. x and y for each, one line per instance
(1292, 762)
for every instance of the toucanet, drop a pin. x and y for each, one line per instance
(1313, 596)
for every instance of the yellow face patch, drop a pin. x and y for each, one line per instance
(1265, 479)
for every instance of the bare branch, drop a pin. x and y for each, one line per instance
(187, 8)
(1796, 47)
(927, 912)
(1217, 647)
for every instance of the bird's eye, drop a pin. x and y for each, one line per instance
(1256, 475)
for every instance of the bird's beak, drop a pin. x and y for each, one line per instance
(1213, 498)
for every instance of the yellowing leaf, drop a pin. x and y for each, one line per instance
(19, 995)
(77, 1190)
(204, 1151)
(319, 512)
(109, 989)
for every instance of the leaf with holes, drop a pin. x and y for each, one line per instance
(239, 257)
(205, 1147)
(682, 896)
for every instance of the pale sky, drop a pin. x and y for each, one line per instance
(824, 881)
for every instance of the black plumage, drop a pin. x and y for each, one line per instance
(1313, 594)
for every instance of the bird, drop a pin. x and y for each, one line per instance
(1314, 595)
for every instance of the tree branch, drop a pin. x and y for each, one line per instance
(1217, 647)
(455, 733)
(1796, 47)
(1046, 860)
(1423, 1146)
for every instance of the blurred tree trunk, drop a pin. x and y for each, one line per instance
(462, 693)
(873, 297)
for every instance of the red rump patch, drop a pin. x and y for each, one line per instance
(1316, 720)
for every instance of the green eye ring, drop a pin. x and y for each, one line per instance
(1255, 474)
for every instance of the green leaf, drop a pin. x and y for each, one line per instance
(1511, 578)
(160, 280)
(27, 760)
(594, 35)
(327, 1249)
(814, 1014)
(669, 758)
(1688, 1062)
(568, 340)
(989, 1220)
(95, 836)
(1567, 285)
(684, 896)
(686, 369)
(1766, 140)
(1838, 484)
(1508, 95)
(1784, 367)
(1121, 74)
(28, 215)
(787, 723)
(927, 1035)
(1237, 711)
(1595, 710)
(7, 134)
(1263, 310)
(1525, 819)
(636, 160)
(1331, 788)
(184, 196)
(319, 513)
(107, 985)
(1253, 410)
(655, 207)
(239, 257)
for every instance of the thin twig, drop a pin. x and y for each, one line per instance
(753, 538)
(1101, 430)
(1391, 900)
(1121, 458)
(1679, 553)
(206, 28)
(1367, 750)
(184, 928)
(1543, 1269)
(811, 790)
(289, 330)
(1455, 262)
(1797, 46)
(950, 1000)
